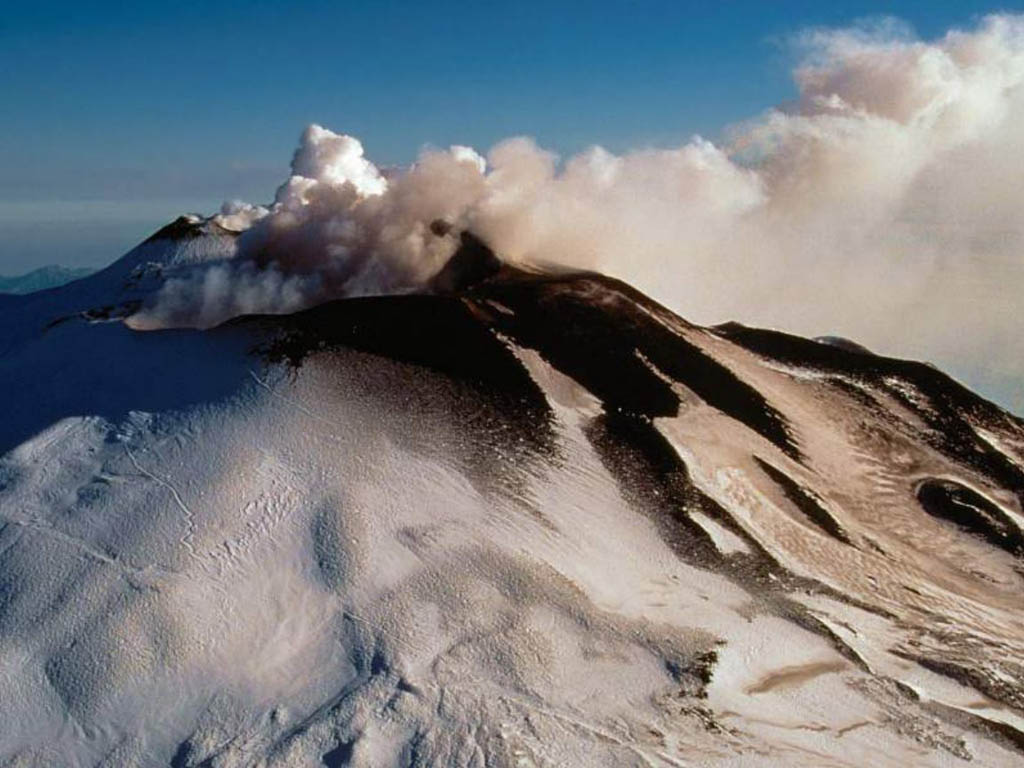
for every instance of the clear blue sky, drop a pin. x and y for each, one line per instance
(117, 116)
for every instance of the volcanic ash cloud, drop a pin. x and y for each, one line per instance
(884, 204)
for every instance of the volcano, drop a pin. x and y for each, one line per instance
(525, 517)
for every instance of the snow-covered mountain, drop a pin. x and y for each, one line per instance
(524, 518)
(40, 279)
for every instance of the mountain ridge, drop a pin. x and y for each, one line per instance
(49, 276)
(529, 516)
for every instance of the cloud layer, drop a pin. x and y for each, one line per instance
(885, 205)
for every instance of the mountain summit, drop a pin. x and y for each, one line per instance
(523, 518)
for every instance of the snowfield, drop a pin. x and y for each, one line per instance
(532, 520)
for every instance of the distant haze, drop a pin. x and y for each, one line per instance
(81, 233)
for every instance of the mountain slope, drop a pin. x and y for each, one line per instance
(525, 519)
(40, 279)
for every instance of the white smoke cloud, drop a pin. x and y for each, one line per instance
(238, 215)
(207, 296)
(885, 205)
(326, 157)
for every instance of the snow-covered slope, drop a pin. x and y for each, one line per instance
(40, 279)
(528, 519)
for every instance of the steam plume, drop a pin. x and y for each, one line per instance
(885, 205)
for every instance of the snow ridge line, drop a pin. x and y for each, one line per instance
(187, 514)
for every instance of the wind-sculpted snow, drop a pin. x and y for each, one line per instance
(523, 518)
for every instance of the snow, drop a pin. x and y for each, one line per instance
(207, 556)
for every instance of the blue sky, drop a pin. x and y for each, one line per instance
(118, 116)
